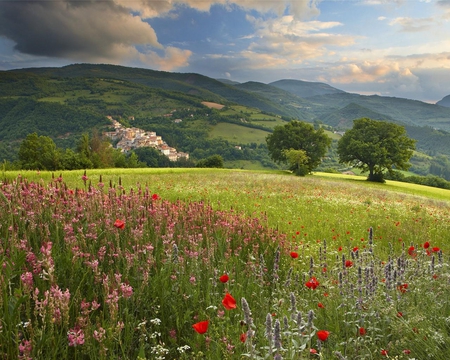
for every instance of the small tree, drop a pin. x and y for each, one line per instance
(375, 146)
(298, 135)
(213, 161)
(297, 160)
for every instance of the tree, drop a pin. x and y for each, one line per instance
(298, 135)
(213, 161)
(38, 153)
(376, 146)
(297, 160)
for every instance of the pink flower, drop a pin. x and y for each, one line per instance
(27, 280)
(99, 334)
(75, 336)
(126, 290)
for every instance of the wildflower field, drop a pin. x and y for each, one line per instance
(221, 264)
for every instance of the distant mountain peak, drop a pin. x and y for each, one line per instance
(444, 102)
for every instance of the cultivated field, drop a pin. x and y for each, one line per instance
(221, 264)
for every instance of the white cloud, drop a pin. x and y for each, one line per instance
(287, 41)
(413, 25)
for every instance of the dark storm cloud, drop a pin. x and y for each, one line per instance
(82, 30)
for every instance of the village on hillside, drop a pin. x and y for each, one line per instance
(131, 138)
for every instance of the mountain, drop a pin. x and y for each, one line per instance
(343, 118)
(292, 104)
(305, 89)
(301, 99)
(444, 102)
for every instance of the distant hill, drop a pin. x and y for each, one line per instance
(292, 104)
(343, 118)
(444, 102)
(228, 82)
(306, 100)
(305, 89)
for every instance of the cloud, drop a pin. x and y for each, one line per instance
(285, 40)
(299, 9)
(173, 58)
(413, 25)
(75, 30)
(113, 31)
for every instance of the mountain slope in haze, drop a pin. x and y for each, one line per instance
(343, 118)
(305, 89)
(294, 105)
(444, 102)
(405, 111)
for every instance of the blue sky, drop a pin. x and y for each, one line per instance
(387, 47)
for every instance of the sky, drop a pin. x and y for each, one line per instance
(397, 48)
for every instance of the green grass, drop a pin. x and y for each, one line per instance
(238, 134)
(394, 186)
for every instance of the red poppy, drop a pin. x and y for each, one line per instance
(322, 306)
(348, 263)
(312, 351)
(407, 351)
(340, 248)
(384, 352)
(323, 335)
(224, 278)
(355, 249)
(426, 245)
(412, 251)
(312, 283)
(155, 197)
(243, 337)
(362, 331)
(399, 314)
(436, 249)
(119, 224)
(228, 302)
(294, 255)
(402, 288)
(201, 327)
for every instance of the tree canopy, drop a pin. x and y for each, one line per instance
(38, 152)
(298, 135)
(376, 146)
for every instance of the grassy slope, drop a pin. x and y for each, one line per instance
(132, 177)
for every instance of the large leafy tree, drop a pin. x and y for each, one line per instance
(38, 153)
(298, 135)
(376, 146)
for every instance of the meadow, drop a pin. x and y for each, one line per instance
(221, 264)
